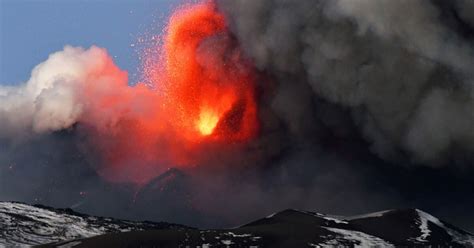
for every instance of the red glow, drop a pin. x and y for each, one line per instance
(205, 77)
(205, 92)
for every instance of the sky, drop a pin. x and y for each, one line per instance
(32, 29)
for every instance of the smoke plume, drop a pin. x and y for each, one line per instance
(403, 69)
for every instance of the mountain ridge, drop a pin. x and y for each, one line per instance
(24, 224)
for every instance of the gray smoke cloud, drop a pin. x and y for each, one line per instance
(401, 69)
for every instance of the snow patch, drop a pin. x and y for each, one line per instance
(369, 215)
(238, 235)
(270, 216)
(359, 239)
(425, 218)
(227, 242)
(333, 219)
(326, 217)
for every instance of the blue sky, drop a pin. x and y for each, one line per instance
(32, 29)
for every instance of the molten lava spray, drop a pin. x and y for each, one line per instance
(204, 92)
(209, 89)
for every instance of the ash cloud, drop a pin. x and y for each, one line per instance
(377, 91)
(403, 69)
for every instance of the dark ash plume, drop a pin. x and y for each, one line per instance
(403, 69)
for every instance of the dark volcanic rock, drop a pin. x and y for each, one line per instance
(167, 195)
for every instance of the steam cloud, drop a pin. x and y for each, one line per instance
(349, 92)
(50, 100)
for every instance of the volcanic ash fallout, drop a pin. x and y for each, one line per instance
(200, 91)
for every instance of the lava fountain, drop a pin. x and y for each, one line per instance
(209, 88)
(202, 91)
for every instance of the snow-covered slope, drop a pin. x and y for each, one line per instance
(293, 228)
(23, 224)
(458, 236)
(411, 227)
(400, 227)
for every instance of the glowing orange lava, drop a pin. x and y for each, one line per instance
(205, 77)
(207, 121)
(202, 92)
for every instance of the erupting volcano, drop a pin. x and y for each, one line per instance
(236, 109)
(202, 90)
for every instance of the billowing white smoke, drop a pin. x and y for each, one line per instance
(402, 68)
(51, 99)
